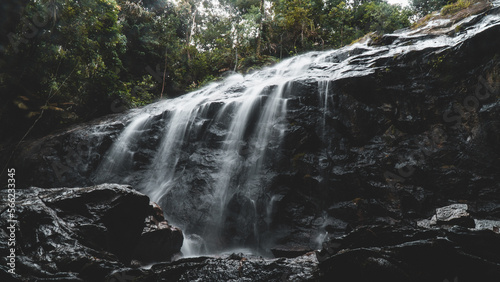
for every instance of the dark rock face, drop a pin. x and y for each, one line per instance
(239, 222)
(368, 253)
(84, 234)
(159, 241)
(389, 253)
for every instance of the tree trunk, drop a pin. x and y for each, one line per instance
(190, 34)
(261, 28)
(236, 58)
(164, 75)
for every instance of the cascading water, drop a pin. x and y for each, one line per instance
(211, 160)
(324, 87)
(243, 119)
(119, 157)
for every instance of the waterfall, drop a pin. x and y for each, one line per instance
(324, 95)
(207, 157)
(119, 157)
(241, 121)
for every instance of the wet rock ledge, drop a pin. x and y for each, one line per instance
(85, 234)
(112, 233)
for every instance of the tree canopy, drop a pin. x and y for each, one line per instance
(64, 61)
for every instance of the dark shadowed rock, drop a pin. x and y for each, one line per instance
(159, 241)
(83, 234)
(389, 253)
(239, 229)
(288, 252)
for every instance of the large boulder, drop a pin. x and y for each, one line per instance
(159, 241)
(83, 234)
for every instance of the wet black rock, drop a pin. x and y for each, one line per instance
(234, 267)
(84, 234)
(159, 241)
(392, 253)
(368, 253)
(288, 253)
(456, 214)
(239, 220)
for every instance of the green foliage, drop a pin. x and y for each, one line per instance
(350, 23)
(68, 65)
(455, 7)
(297, 23)
(339, 20)
(384, 18)
(251, 63)
(138, 93)
(424, 7)
(89, 53)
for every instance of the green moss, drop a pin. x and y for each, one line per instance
(359, 39)
(297, 157)
(454, 8)
(437, 62)
(423, 21)
(377, 39)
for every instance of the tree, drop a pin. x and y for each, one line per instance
(154, 34)
(71, 63)
(297, 22)
(424, 7)
(382, 17)
(66, 55)
(337, 25)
